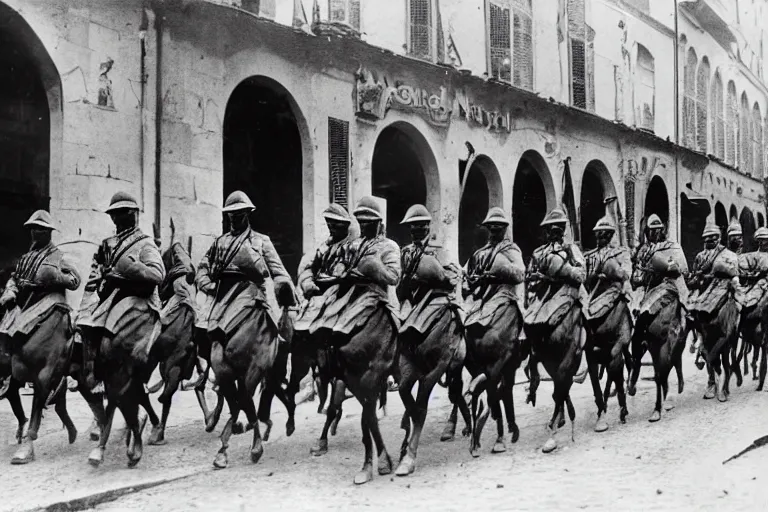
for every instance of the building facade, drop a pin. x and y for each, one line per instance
(625, 107)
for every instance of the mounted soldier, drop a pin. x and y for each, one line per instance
(753, 296)
(492, 291)
(361, 325)
(120, 319)
(431, 338)
(241, 325)
(35, 331)
(608, 271)
(660, 317)
(554, 322)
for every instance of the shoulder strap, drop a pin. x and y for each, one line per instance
(124, 247)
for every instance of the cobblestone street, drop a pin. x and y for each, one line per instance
(674, 464)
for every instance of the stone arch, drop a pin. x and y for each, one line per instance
(533, 195)
(482, 190)
(31, 99)
(657, 200)
(268, 154)
(733, 213)
(401, 148)
(693, 218)
(596, 186)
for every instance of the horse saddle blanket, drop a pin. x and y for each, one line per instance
(748, 297)
(712, 298)
(486, 312)
(18, 321)
(603, 304)
(551, 311)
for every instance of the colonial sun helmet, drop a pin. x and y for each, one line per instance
(368, 209)
(654, 222)
(604, 224)
(40, 219)
(336, 212)
(761, 233)
(237, 201)
(734, 228)
(496, 215)
(416, 213)
(122, 201)
(711, 229)
(556, 216)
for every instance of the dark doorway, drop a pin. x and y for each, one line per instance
(472, 210)
(398, 177)
(657, 200)
(747, 221)
(25, 138)
(721, 219)
(529, 206)
(263, 158)
(592, 206)
(733, 213)
(693, 218)
(760, 220)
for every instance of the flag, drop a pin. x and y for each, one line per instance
(453, 52)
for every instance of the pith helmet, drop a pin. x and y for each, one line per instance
(556, 216)
(237, 201)
(761, 234)
(368, 209)
(604, 224)
(734, 228)
(496, 215)
(40, 219)
(336, 212)
(654, 222)
(416, 213)
(711, 229)
(122, 201)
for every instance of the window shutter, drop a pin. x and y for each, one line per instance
(732, 126)
(421, 28)
(757, 142)
(629, 200)
(523, 48)
(338, 161)
(702, 106)
(577, 33)
(500, 47)
(718, 128)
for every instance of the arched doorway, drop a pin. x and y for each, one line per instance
(721, 219)
(596, 186)
(657, 200)
(733, 213)
(481, 191)
(693, 218)
(30, 132)
(532, 197)
(747, 221)
(760, 220)
(263, 156)
(404, 173)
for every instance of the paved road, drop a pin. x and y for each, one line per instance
(675, 464)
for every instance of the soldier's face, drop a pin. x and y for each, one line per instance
(419, 230)
(337, 228)
(238, 220)
(369, 228)
(555, 232)
(654, 235)
(123, 218)
(496, 231)
(40, 236)
(603, 237)
(710, 242)
(735, 242)
(763, 245)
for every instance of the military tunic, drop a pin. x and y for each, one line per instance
(37, 289)
(651, 263)
(753, 277)
(121, 293)
(427, 287)
(564, 269)
(378, 260)
(233, 272)
(715, 271)
(487, 300)
(615, 264)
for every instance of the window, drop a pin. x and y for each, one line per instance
(689, 99)
(577, 38)
(702, 105)
(425, 30)
(757, 142)
(510, 41)
(645, 92)
(718, 121)
(345, 11)
(731, 124)
(338, 161)
(745, 138)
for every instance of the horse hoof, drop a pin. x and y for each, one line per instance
(499, 446)
(95, 432)
(220, 462)
(406, 466)
(96, 457)
(364, 476)
(290, 427)
(549, 446)
(474, 452)
(700, 365)
(321, 448)
(449, 432)
(257, 450)
(133, 460)
(385, 464)
(267, 431)
(72, 432)
(531, 399)
(561, 423)
(515, 434)
(722, 397)
(601, 425)
(710, 393)
(631, 390)
(157, 436)
(25, 454)
(466, 431)
(656, 416)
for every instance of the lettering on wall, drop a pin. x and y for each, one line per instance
(492, 120)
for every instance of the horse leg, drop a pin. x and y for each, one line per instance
(763, 365)
(385, 461)
(366, 473)
(571, 416)
(476, 387)
(419, 414)
(61, 411)
(157, 435)
(534, 379)
(246, 389)
(710, 392)
(408, 379)
(96, 404)
(494, 404)
(638, 351)
(722, 388)
(755, 357)
(618, 379)
(96, 456)
(339, 395)
(559, 397)
(18, 409)
(26, 451)
(592, 366)
(733, 366)
(227, 390)
(129, 406)
(334, 406)
(212, 419)
(507, 387)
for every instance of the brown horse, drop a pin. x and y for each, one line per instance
(559, 350)
(719, 337)
(753, 339)
(665, 339)
(42, 359)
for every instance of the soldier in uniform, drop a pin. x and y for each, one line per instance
(735, 237)
(37, 325)
(608, 270)
(753, 278)
(699, 277)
